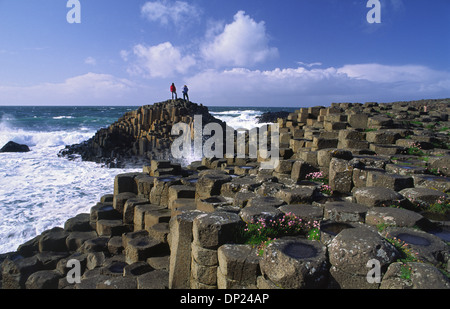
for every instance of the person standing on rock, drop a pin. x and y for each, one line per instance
(185, 93)
(173, 90)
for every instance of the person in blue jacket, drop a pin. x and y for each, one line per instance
(185, 93)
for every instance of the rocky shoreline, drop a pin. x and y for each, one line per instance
(372, 179)
(139, 136)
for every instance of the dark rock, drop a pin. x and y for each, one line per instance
(269, 117)
(44, 279)
(14, 147)
(16, 270)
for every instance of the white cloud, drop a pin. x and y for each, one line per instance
(306, 87)
(390, 74)
(244, 42)
(166, 12)
(90, 61)
(87, 89)
(124, 54)
(309, 65)
(163, 60)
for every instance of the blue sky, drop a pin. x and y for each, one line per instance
(230, 53)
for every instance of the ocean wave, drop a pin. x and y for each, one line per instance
(236, 112)
(39, 191)
(42, 138)
(63, 117)
(239, 119)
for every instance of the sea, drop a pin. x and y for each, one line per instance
(39, 190)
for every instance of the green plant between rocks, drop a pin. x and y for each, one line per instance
(415, 150)
(441, 206)
(263, 231)
(407, 255)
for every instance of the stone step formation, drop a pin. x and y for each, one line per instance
(140, 135)
(367, 174)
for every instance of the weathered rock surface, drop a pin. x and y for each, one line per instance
(175, 227)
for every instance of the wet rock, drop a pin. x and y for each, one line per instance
(14, 147)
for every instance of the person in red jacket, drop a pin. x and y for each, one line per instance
(173, 90)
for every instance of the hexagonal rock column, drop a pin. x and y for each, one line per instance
(120, 200)
(210, 184)
(53, 240)
(180, 192)
(296, 195)
(238, 266)
(432, 182)
(251, 214)
(111, 227)
(341, 175)
(139, 214)
(125, 183)
(392, 181)
(423, 196)
(210, 231)
(213, 203)
(304, 211)
(16, 270)
(144, 185)
(345, 212)
(128, 210)
(295, 263)
(394, 216)
(377, 196)
(159, 195)
(429, 248)
(43, 279)
(351, 250)
(423, 276)
(141, 248)
(239, 184)
(261, 207)
(180, 239)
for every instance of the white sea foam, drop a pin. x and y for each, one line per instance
(39, 190)
(245, 119)
(63, 117)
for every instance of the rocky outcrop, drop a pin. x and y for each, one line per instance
(269, 117)
(14, 147)
(383, 222)
(140, 135)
